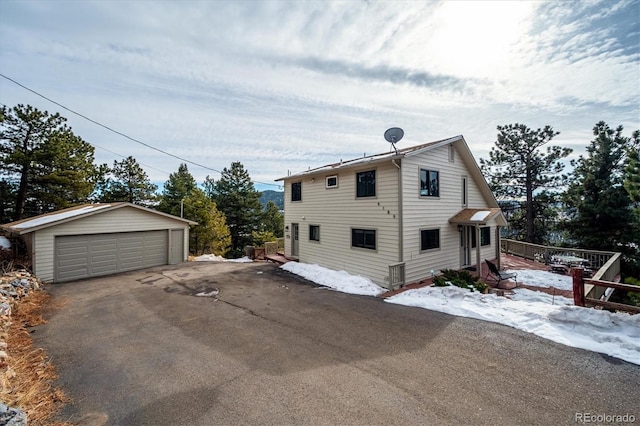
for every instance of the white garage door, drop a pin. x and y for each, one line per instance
(82, 256)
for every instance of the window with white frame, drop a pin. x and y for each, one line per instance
(331, 182)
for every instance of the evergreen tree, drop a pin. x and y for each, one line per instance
(600, 209)
(238, 199)
(272, 220)
(211, 234)
(632, 168)
(209, 186)
(179, 186)
(66, 175)
(127, 181)
(518, 167)
(42, 155)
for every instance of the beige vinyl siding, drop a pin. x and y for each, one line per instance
(434, 212)
(337, 211)
(125, 219)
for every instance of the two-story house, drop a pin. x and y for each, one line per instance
(395, 218)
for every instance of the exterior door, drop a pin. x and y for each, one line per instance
(295, 239)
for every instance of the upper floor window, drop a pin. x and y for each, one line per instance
(366, 184)
(296, 191)
(331, 182)
(429, 183)
(464, 191)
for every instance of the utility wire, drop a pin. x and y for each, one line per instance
(119, 133)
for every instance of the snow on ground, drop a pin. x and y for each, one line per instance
(5, 244)
(615, 334)
(544, 279)
(215, 258)
(337, 280)
(550, 317)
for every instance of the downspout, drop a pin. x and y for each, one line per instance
(400, 246)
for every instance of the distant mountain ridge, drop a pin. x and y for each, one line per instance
(270, 195)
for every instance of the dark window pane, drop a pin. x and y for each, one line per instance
(314, 232)
(363, 238)
(366, 184)
(429, 183)
(296, 191)
(485, 236)
(332, 181)
(429, 239)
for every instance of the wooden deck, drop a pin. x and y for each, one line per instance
(279, 258)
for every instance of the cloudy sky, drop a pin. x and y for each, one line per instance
(286, 85)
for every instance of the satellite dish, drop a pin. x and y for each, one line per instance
(393, 135)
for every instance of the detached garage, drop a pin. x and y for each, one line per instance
(101, 239)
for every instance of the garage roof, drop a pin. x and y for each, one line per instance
(31, 224)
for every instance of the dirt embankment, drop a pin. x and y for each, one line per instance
(27, 390)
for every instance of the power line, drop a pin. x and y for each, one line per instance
(119, 133)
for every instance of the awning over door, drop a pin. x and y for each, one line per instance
(479, 217)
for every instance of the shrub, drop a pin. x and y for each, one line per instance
(462, 279)
(632, 297)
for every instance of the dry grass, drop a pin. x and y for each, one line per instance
(27, 376)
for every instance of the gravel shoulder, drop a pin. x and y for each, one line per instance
(270, 348)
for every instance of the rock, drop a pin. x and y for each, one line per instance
(12, 416)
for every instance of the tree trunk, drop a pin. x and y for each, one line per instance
(21, 196)
(529, 207)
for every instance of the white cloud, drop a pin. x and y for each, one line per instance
(285, 85)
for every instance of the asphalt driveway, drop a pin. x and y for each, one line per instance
(270, 348)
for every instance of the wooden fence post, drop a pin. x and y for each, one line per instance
(578, 286)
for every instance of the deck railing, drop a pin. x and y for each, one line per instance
(280, 242)
(596, 258)
(609, 272)
(271, 248)
(396, 275)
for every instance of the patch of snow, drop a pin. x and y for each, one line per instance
(244, 259)
(480, 216)
(58, 216)
(216, 258)
(615, 334)
(544, 279)
(5, 244)
(337, 280)
(209, 258)
(212, 293)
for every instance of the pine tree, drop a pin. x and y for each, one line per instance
(66, 175)
(128, 182)
(272, 220)
(632, 168)
(176, 189)
(238, 199)
(600, 209)
(52, 167)
(519, 167)
(211, 234)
